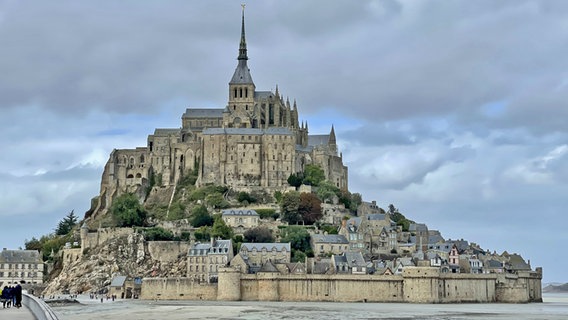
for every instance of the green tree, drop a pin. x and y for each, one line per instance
(66, 224)
(221, 229)
(313, 175)
(289, 207)
(259, 235)
(200, 217)
(278, 196)
(327, 190)
(216, 201)
(127, 211)
(356, 200)
(295, 179)
(245, 196)
(299, 239)
(309, 208)
(33, 244)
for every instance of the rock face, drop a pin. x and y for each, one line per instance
(127, 255)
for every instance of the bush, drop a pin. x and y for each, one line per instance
(245, 196)
(259, 235)
(127, 211)
(267, 213)
(200, 217)
(158, 234)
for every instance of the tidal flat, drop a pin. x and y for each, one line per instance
(555, 306)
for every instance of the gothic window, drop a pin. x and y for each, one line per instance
(241, 92)
(234, 106)
(138, 175)
(235, 92)
(246, 94)
(141, 158)
(130, 176)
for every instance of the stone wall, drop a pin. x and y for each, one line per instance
(177, 289)
(167, 251)
(102, 235)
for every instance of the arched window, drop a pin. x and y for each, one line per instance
(246, 93)
(138, 175)
(241, 92)
(141, 158)
(130, 176)
(235, 92)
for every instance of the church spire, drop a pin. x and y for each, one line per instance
(242, 72)
(243, 44)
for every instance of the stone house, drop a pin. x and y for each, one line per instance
(366, 208)
(351, 229)
(241, 220)
(21, 265)
(349, 262)
(205, 259)
(454, 260)
(258, 253)
(323, 244)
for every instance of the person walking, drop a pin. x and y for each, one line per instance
(18, 295)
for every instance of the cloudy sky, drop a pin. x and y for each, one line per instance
(454, 111)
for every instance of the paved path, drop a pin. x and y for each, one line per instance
(16, 314)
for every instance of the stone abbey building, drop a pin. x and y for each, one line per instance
(255, 141)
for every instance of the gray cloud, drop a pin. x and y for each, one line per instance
(453, 111)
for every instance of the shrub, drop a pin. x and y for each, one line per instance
(267, 213)
(158, 234)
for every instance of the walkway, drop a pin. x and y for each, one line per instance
(16, 314)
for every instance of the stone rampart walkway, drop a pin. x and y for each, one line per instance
(16, 314)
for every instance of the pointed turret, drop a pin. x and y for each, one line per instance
(277, 94)
(332, 136)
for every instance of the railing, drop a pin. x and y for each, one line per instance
(38, 307)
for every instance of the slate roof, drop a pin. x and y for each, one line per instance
(376, 216)
(118, 281)
(239, 212)
(330, 238)
(199, 249)
(268, 246)
(278, 131)
(353, 224)
(166, 131)
(20, 256)
(202, 113)
(355, 259)
(242, 74)
(418, 227)
(268, 266)
(432, 239)
(322, 266)
(263, 94)
(318, 139)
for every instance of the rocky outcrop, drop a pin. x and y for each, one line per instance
(122, 254)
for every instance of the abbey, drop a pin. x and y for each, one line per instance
(255, 141)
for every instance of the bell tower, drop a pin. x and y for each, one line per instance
(241, 88)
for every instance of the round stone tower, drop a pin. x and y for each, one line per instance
(229, 284)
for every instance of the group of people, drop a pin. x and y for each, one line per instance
(12, 296)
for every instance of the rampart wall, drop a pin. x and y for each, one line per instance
(177, 289)
(415, 285)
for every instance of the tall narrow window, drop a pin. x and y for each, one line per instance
(246, 92)
(235, 92)
(241, 92)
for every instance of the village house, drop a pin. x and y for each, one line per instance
(20, 265)
(328, 244)
(205, 259)
(258, 253)
(349, 262)
(241, 220)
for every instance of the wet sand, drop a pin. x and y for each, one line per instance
(554, 307)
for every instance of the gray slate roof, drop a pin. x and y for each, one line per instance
(118, 281)
(20, 256)
(242, 74)
(166, 131)
(355, 259)
(239, 212)
(268, 246)
(202, 113)
(418, 227)
(278, 131)
(330, 238)
(376, 216)
(263, 94)
(318, 139)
